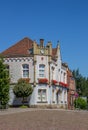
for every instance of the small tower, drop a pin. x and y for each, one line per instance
(59, 51)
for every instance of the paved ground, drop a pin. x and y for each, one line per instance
(43, 119)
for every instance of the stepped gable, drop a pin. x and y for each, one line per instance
(21, 48)
(54, 51)
(69, 73)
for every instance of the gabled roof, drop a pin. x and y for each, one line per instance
(23, 48)
(20, 48)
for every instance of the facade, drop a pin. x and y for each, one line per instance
(71, 90)
(42, 67)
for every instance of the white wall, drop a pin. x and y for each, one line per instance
(15, 68)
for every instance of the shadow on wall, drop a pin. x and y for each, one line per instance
(19, 101)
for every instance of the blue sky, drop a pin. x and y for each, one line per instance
(52, 20)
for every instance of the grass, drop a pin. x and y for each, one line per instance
(23, 106)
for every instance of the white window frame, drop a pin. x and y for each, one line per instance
(41, 70)
(25, 70)
(42, 97)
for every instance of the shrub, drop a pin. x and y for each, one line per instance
(22, 89)
(4, 85)
(80, 103)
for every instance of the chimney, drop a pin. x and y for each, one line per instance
(41, 42)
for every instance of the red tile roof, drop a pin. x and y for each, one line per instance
(20, 48)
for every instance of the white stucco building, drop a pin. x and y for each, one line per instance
(43, 67)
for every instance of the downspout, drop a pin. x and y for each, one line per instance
(34, 62)
(34, 72)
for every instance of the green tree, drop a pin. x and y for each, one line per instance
(81, 83)
(80, 103)
(4, 84)
(22, 89)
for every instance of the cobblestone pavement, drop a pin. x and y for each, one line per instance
(16, 110)
(43, 119)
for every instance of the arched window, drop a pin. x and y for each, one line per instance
(25, 68)
(41, 70)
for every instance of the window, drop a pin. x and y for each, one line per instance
(61, 77)
(41, 70)
(64, 75)
(25, 70)
(42, 95)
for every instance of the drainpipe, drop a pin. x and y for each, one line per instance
(34, 71)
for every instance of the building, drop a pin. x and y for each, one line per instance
(71, 90)
(42, 67)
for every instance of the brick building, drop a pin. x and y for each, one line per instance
(71, 90)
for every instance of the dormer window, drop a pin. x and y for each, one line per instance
(30, 51)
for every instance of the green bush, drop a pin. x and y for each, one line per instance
(22, 89)
(4, 85)
(80, 103)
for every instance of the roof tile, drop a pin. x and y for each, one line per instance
(20, 48)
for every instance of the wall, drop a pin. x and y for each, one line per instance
(15, 67)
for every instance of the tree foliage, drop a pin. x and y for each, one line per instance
(4, 84)
(80, 103)
(81, 83)
(22, 89)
